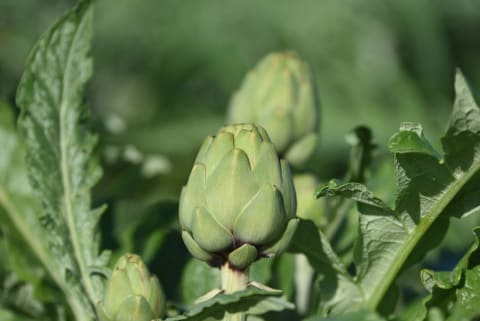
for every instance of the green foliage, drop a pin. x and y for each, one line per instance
(59, 149)
(254, 300)
(455, 294)
(353, 255)
(389, 238)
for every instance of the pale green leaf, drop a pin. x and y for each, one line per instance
(23, 231)
(59, 147)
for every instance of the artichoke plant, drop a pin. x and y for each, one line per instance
(132, 293)
(239, 202)
(279, 94)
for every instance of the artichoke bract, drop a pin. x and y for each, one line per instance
(131, 293)
(239, 202)
(279, 94)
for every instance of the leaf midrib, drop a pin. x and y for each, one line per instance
(67, 195)
(413, 238)
(16, 218)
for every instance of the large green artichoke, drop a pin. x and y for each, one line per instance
(279, 94)
(239, 203)
(131, 294)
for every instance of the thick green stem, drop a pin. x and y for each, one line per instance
(233, 280)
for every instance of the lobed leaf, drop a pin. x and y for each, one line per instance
(27, 254)
(431, 187)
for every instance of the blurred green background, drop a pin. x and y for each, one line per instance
(169, 67)
(165, 71)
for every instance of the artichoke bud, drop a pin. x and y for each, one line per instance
(239, 198)
(131, 293)
(308, 207)
(280, 95)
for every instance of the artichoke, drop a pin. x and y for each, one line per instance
(239, 202)
(279, 94)
(131, 294)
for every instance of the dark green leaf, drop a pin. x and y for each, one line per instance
(338, 291)
(142, 228)
(362, 146)
(457, 293)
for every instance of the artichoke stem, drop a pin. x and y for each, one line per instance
(234, 280)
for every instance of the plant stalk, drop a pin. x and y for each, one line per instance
(234, 280)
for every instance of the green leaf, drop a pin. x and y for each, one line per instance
(429, 185)
(285, 269)
(361, 141)
(254, 300)
(59, 145)
(338, 291)
(143, 233)
(456, 293)
(362, 315)
(198, 278)
(410, 139)
(26, 253)
(355, 191)
(6, 315)
(340, 212)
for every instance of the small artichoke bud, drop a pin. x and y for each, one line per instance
(308, 207)
(131, 293)
(279, 94)
(239, 202)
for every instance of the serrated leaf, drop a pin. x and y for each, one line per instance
(456, 293)
(59, 145)
(388, 239)
(27, 254)
(355, 191)
(253, 300)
